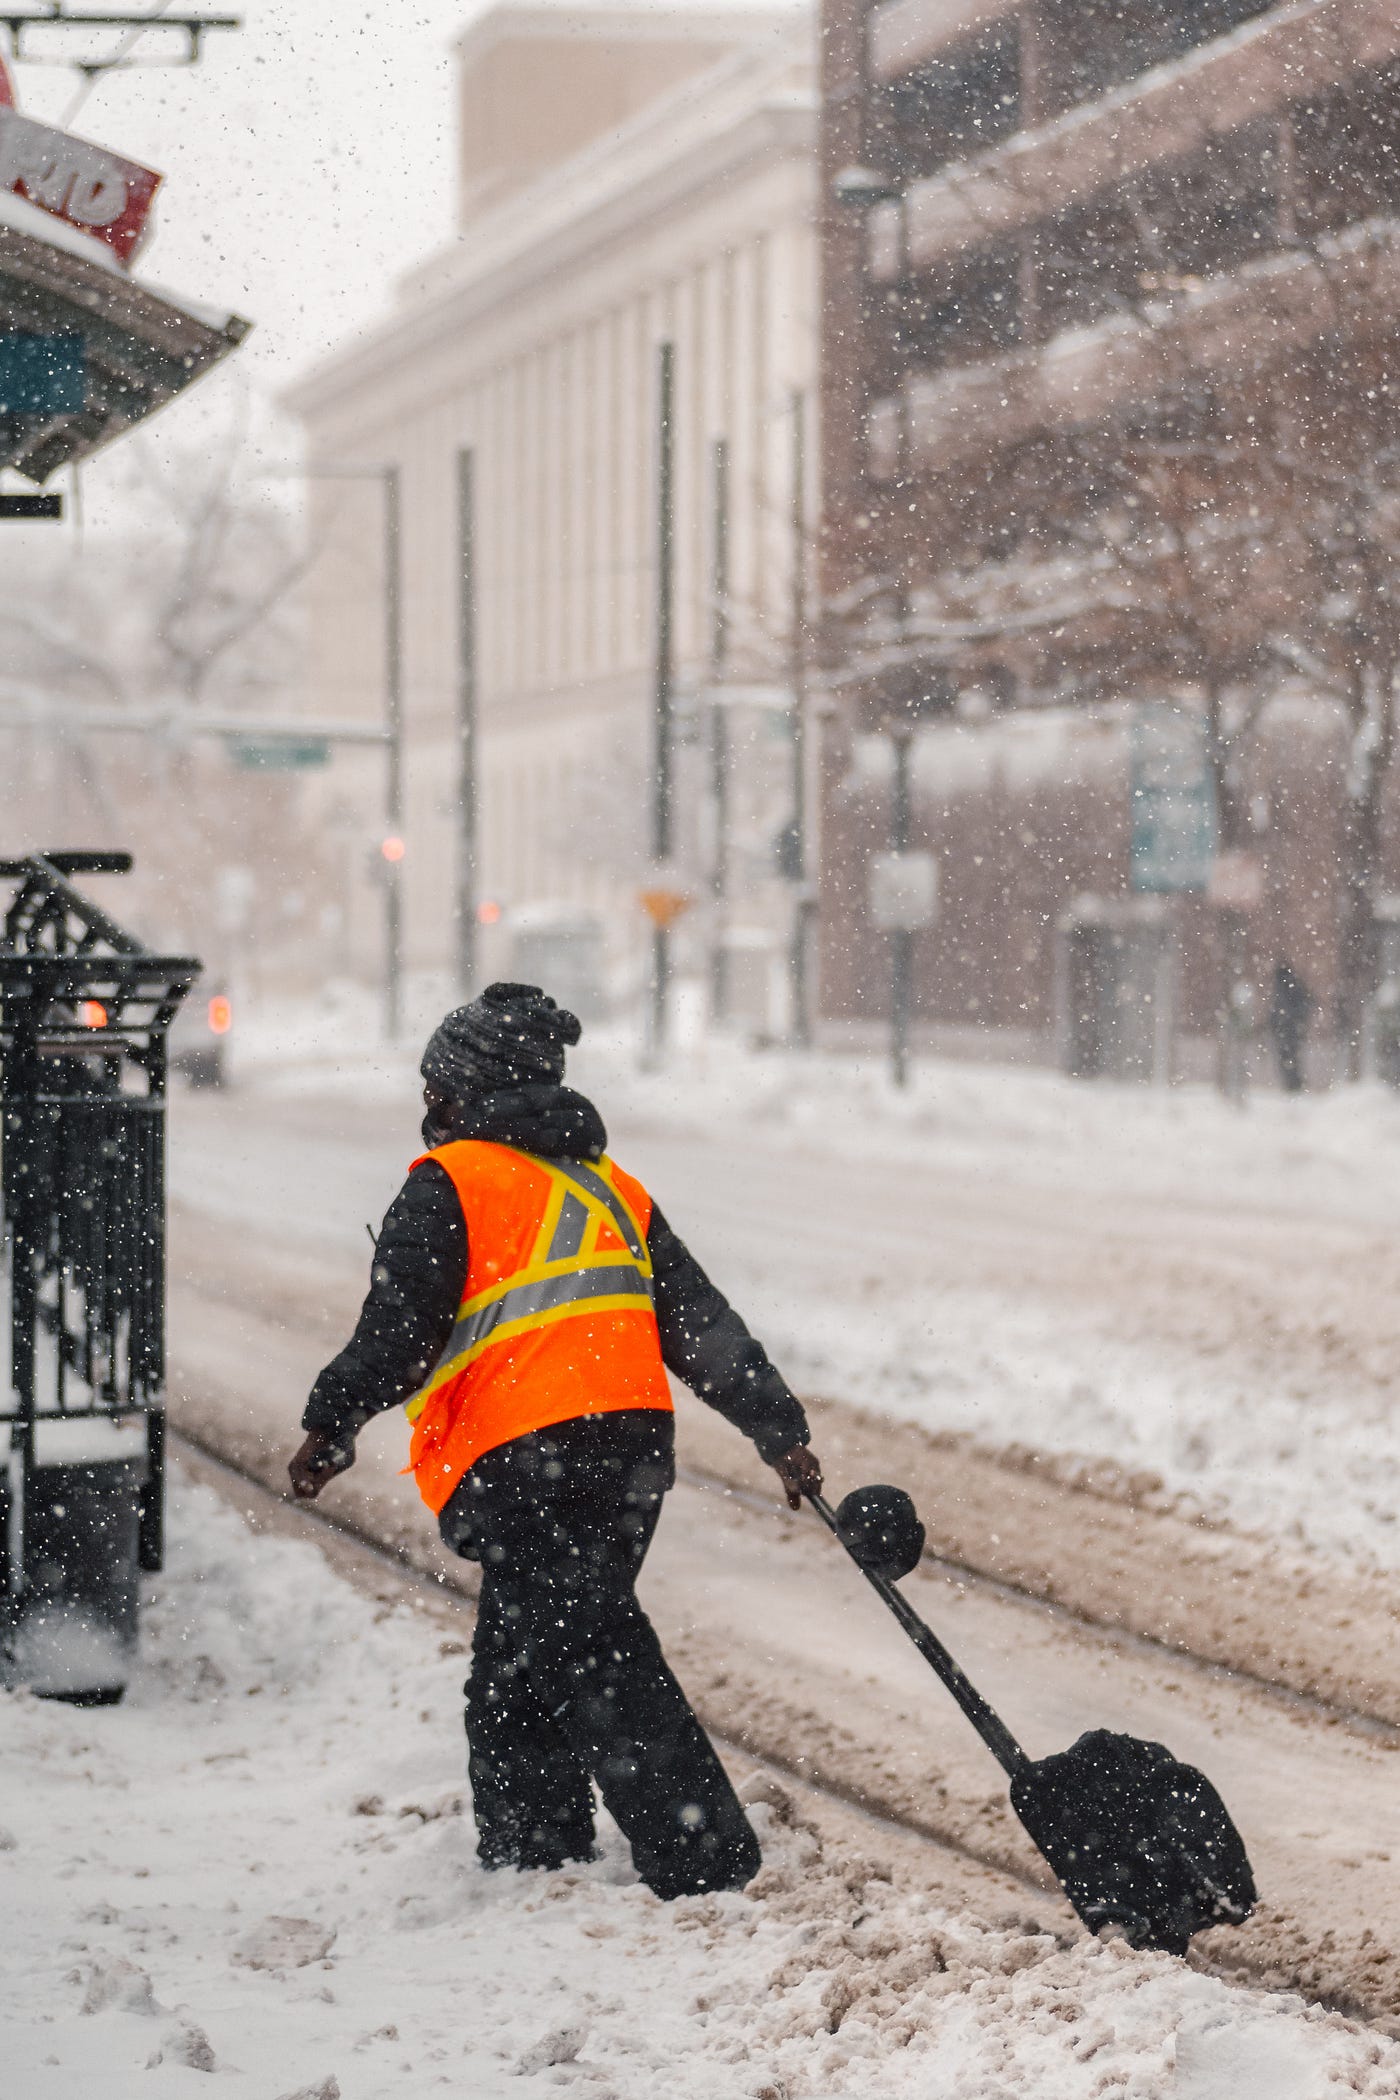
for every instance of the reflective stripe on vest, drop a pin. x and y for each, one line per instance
(565, 1276)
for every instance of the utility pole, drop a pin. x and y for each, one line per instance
(662, 826)
(719, 735)
(902, 937)
(468, 843)
(391, 844)
(801, 909)
(393, 711)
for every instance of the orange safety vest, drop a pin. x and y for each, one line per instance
(556, 1319)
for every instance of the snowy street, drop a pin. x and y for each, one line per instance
(1202, 1303)
(1086, 1317)
(259, 1868)
(273, 1186)
(262, 1864)
(765, 636)
(1150, 1278)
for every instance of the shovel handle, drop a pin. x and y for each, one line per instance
(989, 1725)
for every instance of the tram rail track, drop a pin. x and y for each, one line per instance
(968, 1574)
(1080, 1598)
(985, 1869)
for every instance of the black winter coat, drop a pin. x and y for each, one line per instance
(416, 1287)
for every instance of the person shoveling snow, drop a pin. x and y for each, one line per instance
(527, 1300)
(1142, 1844)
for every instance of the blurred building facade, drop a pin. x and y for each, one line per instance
(628, 177)
(1110, 415)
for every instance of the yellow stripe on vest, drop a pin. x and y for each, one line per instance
(555, 1284)
(528, 1323)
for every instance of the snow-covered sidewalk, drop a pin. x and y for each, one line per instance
(259, 1872)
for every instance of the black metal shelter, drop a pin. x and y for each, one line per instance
(84, 1014)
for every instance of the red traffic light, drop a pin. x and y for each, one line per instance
(220, 1014)
(392, 849)
(92, 1013)
(488, 912)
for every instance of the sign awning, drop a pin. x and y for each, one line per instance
(140, 348)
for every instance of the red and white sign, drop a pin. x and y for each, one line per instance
(82, 184)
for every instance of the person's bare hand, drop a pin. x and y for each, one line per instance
(320, 1458)
(800, 1472)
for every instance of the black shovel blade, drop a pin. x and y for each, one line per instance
(1138, 1840)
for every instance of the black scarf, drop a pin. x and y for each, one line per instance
(551, 1121)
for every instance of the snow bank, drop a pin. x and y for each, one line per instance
(260, 1868)
(62, 1649)
(36, 224)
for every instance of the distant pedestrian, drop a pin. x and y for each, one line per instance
(528, 1298)
(1291, 1008)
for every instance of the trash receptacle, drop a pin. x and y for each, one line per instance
(84, 1010)
(1115, 988)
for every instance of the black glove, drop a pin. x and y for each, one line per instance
(320, 1458)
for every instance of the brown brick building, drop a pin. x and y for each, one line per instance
(1111, 415)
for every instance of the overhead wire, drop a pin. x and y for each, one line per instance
(127, 45)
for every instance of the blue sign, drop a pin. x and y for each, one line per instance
(42, 375)
(1173, 800)
(278, 754)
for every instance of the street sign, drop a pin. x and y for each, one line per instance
(1173, 801)
(42, 375)
(903, 891)
(21, 506)
(277, 754)
(82, 184)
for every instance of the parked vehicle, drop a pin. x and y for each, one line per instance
(201, 1039)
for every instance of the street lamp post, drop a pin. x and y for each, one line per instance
(393, 713)
(719, 736)
(860, 189)
(392, 844)
(801, 1019)
(468, 842)
(902, 937)
(663, 793)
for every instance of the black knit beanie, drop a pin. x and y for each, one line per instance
(513, 1035)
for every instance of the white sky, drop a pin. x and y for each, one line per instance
(308, 159)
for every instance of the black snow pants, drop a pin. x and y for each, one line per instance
(568, 1682)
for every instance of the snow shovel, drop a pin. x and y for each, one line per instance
(1138, 1841)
